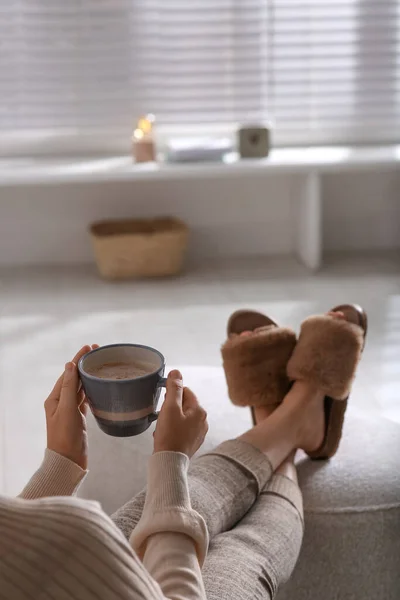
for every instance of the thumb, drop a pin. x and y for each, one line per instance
(69, 390)
(190, 403)
(174, 394)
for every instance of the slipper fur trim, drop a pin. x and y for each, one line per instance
(255, 366)
(327, 354)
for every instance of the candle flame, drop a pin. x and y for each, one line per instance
(146, 123)
(138, 134)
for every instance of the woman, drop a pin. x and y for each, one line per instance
(243, 496)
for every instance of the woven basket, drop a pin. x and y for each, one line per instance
(140, 247)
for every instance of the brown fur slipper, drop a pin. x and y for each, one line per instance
(327, 355)
(255, 366)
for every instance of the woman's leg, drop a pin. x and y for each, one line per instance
(225, 483)
(254, 559)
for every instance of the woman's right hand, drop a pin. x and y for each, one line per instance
(182, 422)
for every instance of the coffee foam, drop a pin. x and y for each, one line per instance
(120, 370)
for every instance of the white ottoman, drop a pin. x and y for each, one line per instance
(351, 547)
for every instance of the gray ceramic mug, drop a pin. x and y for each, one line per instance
(123, 407)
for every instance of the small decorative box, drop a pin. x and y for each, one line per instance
(254, 142)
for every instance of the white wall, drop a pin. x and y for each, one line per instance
(361, 211)
(239, 216)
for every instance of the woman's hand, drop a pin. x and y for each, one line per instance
(66, 414)
(182, 423)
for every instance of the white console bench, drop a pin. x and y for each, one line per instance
(309, 165)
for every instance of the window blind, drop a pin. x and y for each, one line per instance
(334, 70)
(80, 72)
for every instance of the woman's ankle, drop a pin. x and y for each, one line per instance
(306, 403)
(275, 436)
(288, 468)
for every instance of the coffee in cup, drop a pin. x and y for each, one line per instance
(120, 370)
(122, 383)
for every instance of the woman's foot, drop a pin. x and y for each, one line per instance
(299, 422)
(307, 403)
(263, 412)
(311, 437)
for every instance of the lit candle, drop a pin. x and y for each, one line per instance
(143, 140)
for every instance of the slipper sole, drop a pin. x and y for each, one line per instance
(335, 409)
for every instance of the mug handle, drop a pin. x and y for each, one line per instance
(153, 416)
(162, 383)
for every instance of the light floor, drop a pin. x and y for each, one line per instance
(47, 314)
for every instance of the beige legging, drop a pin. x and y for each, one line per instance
(254, 518)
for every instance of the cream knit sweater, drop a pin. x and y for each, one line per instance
(53, 546)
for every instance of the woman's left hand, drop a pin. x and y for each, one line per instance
(66, 414)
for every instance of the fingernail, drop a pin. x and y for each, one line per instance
(175, 374)
(69, 366)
